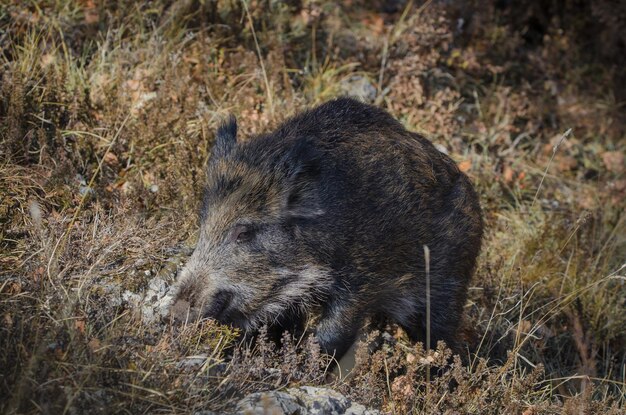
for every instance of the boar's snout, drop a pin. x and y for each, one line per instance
(217, 306)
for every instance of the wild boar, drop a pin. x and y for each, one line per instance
(328, 216)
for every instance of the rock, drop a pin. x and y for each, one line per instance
(82, 185)
(157, 299)
(192, 362)
(320, 401)
(273, 402)
(154, 302)
(305, 400)
(359, 87)
(207, 364)
(131, 298)
(150, 305)
(441, 148)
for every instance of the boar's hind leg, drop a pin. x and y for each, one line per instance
(338, 328)
(442, 327)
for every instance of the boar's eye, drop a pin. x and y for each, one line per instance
(241, 234)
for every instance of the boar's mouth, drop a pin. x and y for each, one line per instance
(300, 289)
(223, 308)
(231, 315)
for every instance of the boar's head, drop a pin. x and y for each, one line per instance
(251, 263)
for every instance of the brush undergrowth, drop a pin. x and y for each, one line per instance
(107, 113)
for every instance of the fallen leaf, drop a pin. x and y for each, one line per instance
(164, 344)
(376, 23)
(524, 327)
(111, 158)
(8, 320)
(91, 12)
(613, 161)
(94, 345)
(465, 166)
(587, 200)
(40, 271)
(133, 84)
(507, 174)
(566, 163)
(617, 191)
(80, 326)
(47, 59)
(11, 288)
(427, 360)
(402, 385)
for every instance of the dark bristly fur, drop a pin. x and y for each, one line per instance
(329, 215)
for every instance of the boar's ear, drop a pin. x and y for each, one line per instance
(226, 138)
(302, 165)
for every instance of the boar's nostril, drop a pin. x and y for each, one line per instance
(220, 302)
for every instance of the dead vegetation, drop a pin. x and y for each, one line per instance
(107, 112)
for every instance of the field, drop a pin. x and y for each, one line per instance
(107, 116)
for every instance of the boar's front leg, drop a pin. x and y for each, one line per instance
(338, 327)
(291, 322)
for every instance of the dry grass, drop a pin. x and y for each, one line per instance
(107, 113)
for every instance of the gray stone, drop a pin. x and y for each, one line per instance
(192, 362)
(360, 87)
(319, 401)
(153, 304)
(266, 403)
(305, 400)
(441, 148)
